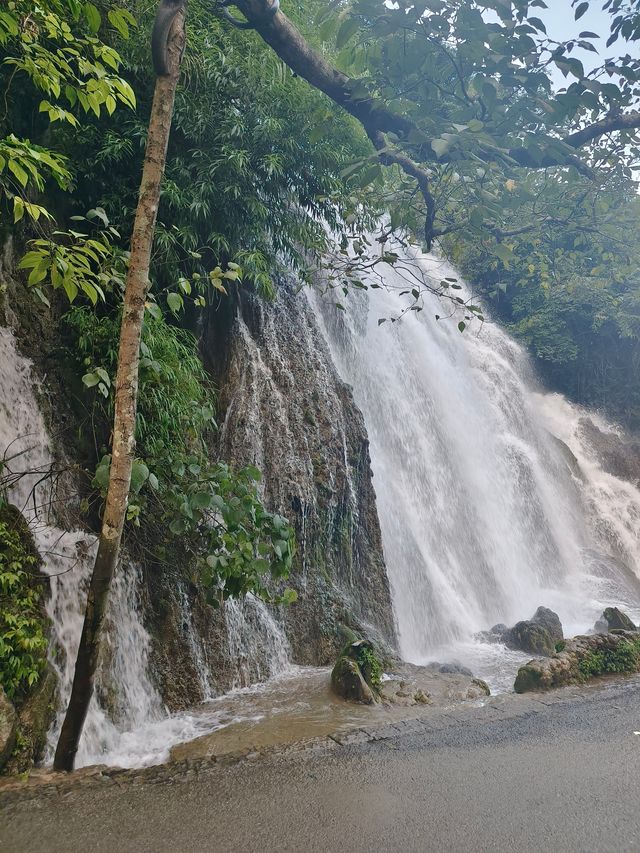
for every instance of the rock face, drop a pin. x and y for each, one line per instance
(615, 619)
(287, 412)
(582, 658)
(8, 728)
(618, 454)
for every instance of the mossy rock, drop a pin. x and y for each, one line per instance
(531, 637)
(357, 673)
(8, 728)
(349, 683)
(617, 620)
(551, 621)
(528, 679)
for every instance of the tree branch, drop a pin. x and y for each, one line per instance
(609, 124)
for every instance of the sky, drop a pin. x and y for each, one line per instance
(561, 24)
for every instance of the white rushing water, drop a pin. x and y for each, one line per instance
(482, 518)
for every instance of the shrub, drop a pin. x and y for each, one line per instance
(371, 666)
(23, 642)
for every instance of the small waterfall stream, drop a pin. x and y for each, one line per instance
(127, 723)
(482, 518)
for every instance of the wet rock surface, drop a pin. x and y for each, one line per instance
(619, 454)
(286, 411)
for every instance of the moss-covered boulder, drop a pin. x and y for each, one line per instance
(617, 620)
(357, 673)
(550, 621)
(531, 637)
(348, 682)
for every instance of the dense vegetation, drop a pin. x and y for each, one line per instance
(572, 295)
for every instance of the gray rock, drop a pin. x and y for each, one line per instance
(617, 620)
(549, 620)
(530, 637)
(8, 728)
(454, 669)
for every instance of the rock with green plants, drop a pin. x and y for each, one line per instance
(580, 659)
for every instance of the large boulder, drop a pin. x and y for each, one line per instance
(348, 682)
(616, 620)
(551, 621)
(356, 674)
(8, 728)
(530, 637)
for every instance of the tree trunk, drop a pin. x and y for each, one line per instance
(126, 398)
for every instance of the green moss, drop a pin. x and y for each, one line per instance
(560, 646)
(527, 679)
(625, 657)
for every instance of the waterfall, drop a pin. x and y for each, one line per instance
(123, 684)
(483, 518)
(255, 637)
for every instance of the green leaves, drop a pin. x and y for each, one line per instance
(76, 262)
(100, 378)
(23, 642)
(175, 302)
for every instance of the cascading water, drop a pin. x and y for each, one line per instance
(123, 682)
(482, 518)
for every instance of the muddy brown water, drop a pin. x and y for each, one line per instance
(301, 705)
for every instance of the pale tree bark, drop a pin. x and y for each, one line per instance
(126, 397)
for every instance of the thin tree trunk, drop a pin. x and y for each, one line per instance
(126, 398)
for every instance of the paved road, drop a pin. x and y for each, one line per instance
(519, 776)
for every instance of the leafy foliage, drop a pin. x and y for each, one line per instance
(178, 497)
(52, 52)
(371, 666)
(23, 643)
(569, 290)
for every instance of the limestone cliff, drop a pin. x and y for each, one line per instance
(285, 410)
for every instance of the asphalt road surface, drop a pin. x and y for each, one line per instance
(561, 774)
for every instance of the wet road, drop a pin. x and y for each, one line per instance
(517, 776)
